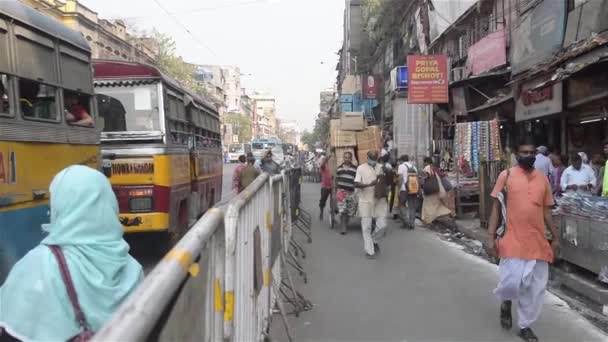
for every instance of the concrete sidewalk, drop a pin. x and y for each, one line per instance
(420, 288)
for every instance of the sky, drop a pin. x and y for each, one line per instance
(285, 47)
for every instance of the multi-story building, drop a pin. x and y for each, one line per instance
(228, 78)
(246, 104)
(289, 131)
(108, 39)
(265, 120)
(327, 98)
(353, 36)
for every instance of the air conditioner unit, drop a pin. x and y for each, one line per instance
(456, 74)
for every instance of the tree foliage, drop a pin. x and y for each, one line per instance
(241, 125)
(173, 65)
(319, 134)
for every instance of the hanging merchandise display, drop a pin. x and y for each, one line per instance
(476, 142)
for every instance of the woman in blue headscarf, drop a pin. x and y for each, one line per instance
(34, 301)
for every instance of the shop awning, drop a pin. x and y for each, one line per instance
(481, 77)
(576, 65)
(495, 101)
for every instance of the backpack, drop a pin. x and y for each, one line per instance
(412, 185)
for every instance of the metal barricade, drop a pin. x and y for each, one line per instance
(224, 277)
(187, 282)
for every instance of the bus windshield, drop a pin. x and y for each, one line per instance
(257, 146)
(125, 108)
(236, 148)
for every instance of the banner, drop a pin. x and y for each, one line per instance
(370, 87)
(427, 79)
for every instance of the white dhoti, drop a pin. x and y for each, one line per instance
(373, 210)
(524, 282)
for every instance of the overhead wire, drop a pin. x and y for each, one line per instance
(202, 9)
(185, 28)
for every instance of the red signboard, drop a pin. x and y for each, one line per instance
(427, 79)
(488, 53)
(370, 87)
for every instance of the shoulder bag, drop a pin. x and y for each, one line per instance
(86, 333)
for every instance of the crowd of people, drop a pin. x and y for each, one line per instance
(373, 189)
(524, 196)
(571, 174)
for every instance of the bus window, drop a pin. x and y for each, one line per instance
(5, 106)
(37, 100)
(77, 108)
(125, 108)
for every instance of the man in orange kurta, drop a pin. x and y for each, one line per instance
(524, 252)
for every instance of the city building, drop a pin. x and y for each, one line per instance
(226, 78)
(265, 120)
(108, 39)
(247, 104)
(289, 132)
(353, 38)
(327, 98)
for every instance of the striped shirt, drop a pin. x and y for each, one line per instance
(345, 177)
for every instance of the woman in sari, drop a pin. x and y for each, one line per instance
(434, 205)
(86, 238)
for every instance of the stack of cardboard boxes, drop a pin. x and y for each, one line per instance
(351, 133)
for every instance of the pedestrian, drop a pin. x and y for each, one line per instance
(393, 193)
(346, 201)
(371, 184)
(524, 251)
(249, 173)
(559, 165)
(409, 190)
(578, 177)
(434, 205)
(597, 164)
(542, 163)
(236, 176)
(603, 179)
(268, 164)
(85, 240)
(226, 157)
(325, 184)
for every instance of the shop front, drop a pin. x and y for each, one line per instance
(584, 217)
(539, 114)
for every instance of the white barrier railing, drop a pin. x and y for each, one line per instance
(217, 283)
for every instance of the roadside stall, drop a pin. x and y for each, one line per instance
(584, 232)
(477, 148)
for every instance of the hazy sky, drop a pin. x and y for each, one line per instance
(288, 46)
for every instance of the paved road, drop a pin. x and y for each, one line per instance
(420, 288)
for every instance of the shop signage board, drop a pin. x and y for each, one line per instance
(538, 35)
(488, 53)
(427, 79)
(532, 104)
(370, 87)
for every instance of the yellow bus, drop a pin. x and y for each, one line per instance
(163, 144)
(46, 120)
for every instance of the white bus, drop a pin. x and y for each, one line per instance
(236, 150)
